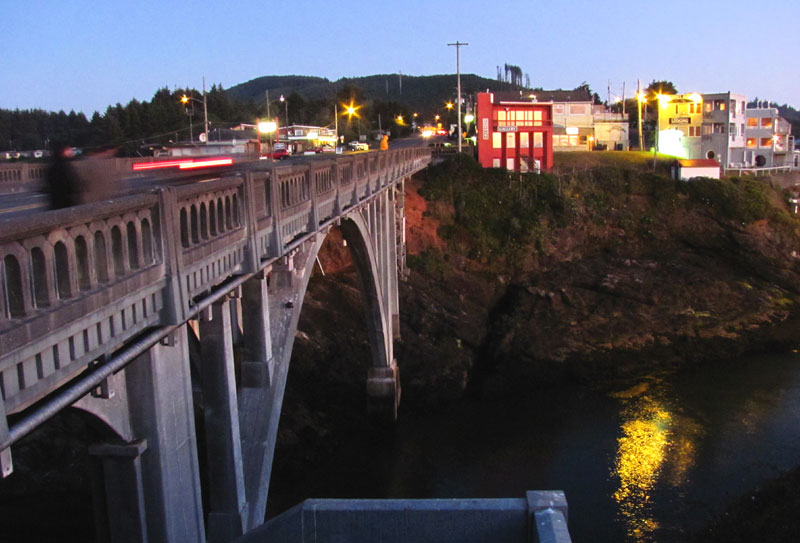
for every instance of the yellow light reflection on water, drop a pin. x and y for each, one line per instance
(656, 447)
(642, 449)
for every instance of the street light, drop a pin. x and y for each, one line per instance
(351, 110)
(640, 99)
(265, 127)
(286, 109)
(186, 99)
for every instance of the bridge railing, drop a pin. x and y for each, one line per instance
(76, 284)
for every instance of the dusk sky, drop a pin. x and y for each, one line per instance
(86, 55)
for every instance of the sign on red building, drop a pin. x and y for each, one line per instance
(516, 132)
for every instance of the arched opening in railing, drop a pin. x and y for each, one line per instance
(195, 228)
(228, 215)
(100, 257)
(41, 295)
(116, 251)
(212, 218)
(63, 286)
(220, 216)
(235, 205)
(133, 246)
(203, 221)
(82, 256)
(184, 229)
(12, 283)
(147, 242)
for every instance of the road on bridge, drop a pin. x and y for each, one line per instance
(26, 203)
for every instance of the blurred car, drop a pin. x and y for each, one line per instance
(323, 149)
(280, 154)
(358, 146)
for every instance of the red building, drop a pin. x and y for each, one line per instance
(514, 132)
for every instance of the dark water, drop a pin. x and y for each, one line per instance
(650, 463)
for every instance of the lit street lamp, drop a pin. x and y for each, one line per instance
(190, 111)
(265, 127)
(351, 111)
(286, 108)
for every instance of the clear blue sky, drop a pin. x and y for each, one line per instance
(86, 55)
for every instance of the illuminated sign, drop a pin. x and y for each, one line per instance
(485, 131)
(572, 130)
(680, 120)
(506, 128)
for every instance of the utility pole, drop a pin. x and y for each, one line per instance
(639, 102)
(458, 45)
(205, 108)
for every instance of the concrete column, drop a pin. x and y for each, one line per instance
(124, 511)
(227, 502)
(258, 364)
(159, 380)
(383, 392)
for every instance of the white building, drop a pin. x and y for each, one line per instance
(768, 139)
(723, 127)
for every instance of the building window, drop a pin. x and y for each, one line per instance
(694, 131)
(495, 163)
(719, 105)
(719, 128)
(577, 109)
(706, 129)
(766, 122)
(695, 108)
(752, 122)
(524, 139)
(732, 130)
(511, 141)
(733, 108)
(765, 142)
(496, 140)
(709, 107)
(558, 109)
(750, 143)
(509, 164)
(537, 118)
(538, 140)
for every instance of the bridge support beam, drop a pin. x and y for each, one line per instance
(160, 381)
(383, 392)
(227, 503)
(258, 364)
(122, 511)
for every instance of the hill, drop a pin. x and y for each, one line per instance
(424, 94)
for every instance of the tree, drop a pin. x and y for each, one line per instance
(659, 87)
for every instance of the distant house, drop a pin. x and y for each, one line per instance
(573, 123)
(686, 169)
(514, 132)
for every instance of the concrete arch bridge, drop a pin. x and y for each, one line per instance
(94, 309)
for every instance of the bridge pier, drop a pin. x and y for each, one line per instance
(227, 503)
(119, 499)
(160, 382)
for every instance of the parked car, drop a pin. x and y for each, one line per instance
(323, 149)
(280, 154)
(358, 146)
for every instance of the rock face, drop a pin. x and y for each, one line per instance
(619, 275)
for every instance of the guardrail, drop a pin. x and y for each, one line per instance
(539, 517)
(79, 283)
